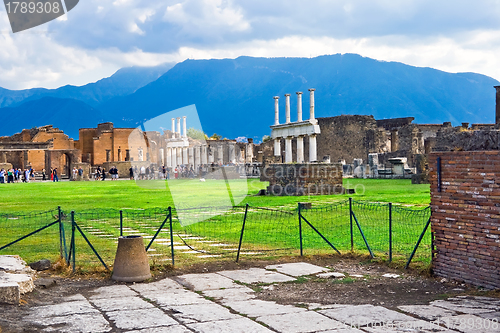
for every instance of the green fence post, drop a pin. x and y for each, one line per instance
(300, 231)
(390, 231)
(60, 231)
(73, 227)
(350, 218)
(121, 223)
(241, 235)
(171, 235)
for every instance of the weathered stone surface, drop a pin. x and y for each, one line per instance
(235, 294)
(112, 291)
(24, 281)
(40, 265)
(240, 325)
(174, 297)
(468, 323)
(417, 326)
(363, 315)
(121, 303)
(469, 307)
(62, 309)
(308, 321)
(336, 275)
(201, 312)
(138, 319)
(169, 329)
(158, 286)
(13, 264)
(45, 283)
(207, 281)
(257, 307)
(255, 275)
(428, 312)
(297, 268)
(9, 293)
(82, 323)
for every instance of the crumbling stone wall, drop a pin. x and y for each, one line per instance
(303, 179)
(458, 138)
(350, 136)
(466, 216)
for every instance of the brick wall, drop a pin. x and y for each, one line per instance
(466, 216)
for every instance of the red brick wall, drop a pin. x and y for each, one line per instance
(466, 216)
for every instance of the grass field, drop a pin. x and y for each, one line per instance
(38, 196)
(97, 206)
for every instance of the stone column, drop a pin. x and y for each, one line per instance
(179, 156)
(191, 155)
(277, 147)
(311, 107)
(394, 140)
(300, 149)
(288, 149)
(204, 154)
(169, 157)
(232, 157)
(185, 158)
(173, 127)
(299, 105)
(184, 127)
(276, 111)
(178, 127)
(312, 148)
(220, 154)
(197, 157)
(287, 108)
(162, 157)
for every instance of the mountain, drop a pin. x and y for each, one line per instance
(64, 113)
(124, 82)
(234, 97)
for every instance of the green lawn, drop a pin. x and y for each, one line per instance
(26, 207)
(38, 196)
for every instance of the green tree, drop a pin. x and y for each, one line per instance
(216, 136)
(196, 134)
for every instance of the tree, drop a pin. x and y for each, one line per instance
(196, 134)
(216, 136)
(266, 138)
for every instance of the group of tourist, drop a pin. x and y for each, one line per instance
(16, 175)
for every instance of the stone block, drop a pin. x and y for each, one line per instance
(9, 293)
(297, 268)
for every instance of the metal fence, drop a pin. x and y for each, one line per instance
(88, 238)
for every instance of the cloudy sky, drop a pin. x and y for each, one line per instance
(100, 36)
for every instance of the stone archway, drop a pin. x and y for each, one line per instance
(63, 160)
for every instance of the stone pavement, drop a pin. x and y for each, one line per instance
(223, 302)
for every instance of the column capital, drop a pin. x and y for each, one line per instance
(299, 92)
(276, 97)
(311, 89)
(287, 95)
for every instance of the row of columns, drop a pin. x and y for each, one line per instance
(300, 139)
(184, 127)
(198, 155)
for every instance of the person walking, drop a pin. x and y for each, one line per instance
(55, 178)
(44, 176)
(103, 174)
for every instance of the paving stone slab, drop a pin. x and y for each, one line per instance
(169, 329)
(464, 307)
(417, 326)
(240, 325)
(9, 293)
(174, 297)
(233, 294)
(298, 268)
(255, 275)
(343, 330)
(62, 309)
(76, 323)
(23, 280)
(139, 319)
(159, 286)
(303, 322)
(112, 291)
(490, 315)
(336, 275)
(201, 313)
(428, 312)
(207, 281)
(362, 315)
(14, 264)
(121, 303)
(257, 308)
(468, 323)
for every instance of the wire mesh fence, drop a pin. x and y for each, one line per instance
(88, 238)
